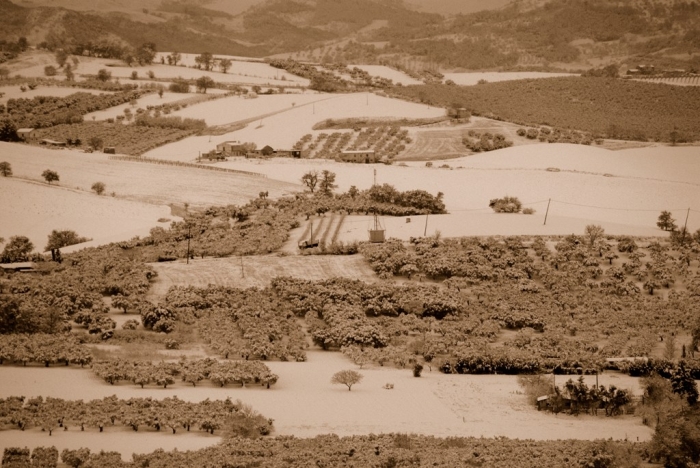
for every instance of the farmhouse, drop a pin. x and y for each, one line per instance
(358, 156)
(232, 148)
(27, 134)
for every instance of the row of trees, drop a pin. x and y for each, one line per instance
(371, 450)
(220, 373)
(45, 349)
(171, 413)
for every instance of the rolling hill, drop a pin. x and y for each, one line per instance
(560, 34)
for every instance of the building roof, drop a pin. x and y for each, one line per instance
(17, 266)
(25, 130)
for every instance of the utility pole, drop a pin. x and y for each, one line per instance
(685, 225)
(547, 213)
(425, 231)
(188, 243)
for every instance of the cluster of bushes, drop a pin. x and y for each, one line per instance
(557, 135)
(487, 141)
(178, 123)
(126, 139)
(48, 111)
(43, 349)
(245, 324)
(320, 80)
(235, 418)
(219, 373)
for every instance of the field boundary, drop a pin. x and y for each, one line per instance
(185, 164)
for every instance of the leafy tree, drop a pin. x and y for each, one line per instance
(17, 250)
(5, 169)
(310, 179)
(98, 188)
(45, 457)
(204, 60)
(8, 130)
(225, 64)
(174, 58)
(75, 458)
(104, 75)
(203, 83)
(666, 221)
(146, 53)
(179, 85)
(61, 57)
(50, 176)
(327, 182)
(594, 233)
(347, 378)
(95, 142)
(683, 383)
(60, 239)
(50, 70)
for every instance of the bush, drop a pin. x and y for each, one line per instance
(172, 344)
(506, 205)
(179, 85)
(529, 211)
(98, 188)
(417, 369)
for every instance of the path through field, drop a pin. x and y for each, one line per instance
(257, 271)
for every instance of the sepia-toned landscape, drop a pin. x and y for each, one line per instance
(349, 233)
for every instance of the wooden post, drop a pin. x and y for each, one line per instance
(188, 244)
(685, 225)
(547, 213)
(425, 231)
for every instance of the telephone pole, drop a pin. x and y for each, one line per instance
(547, 213)
(425, 231)
(188, 243)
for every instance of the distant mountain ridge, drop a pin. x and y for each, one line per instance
(524, 33)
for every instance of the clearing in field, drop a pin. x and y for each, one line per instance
(257, 271)
(34, 209)
(144, 182)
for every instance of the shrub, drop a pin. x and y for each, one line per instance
(98, 188)
(172, 344)
(506, 205)
(529, 211)
(417, 369)
(50, 70)
(130, 325)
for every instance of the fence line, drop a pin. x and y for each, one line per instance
(186, 164)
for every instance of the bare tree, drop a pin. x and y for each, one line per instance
(347, 378)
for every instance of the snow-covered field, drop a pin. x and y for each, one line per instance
(285, 128)
(34, 209)
(237, 108)
(624, 190)
(472, 78)
(304, 403)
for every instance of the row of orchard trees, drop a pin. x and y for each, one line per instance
(219, 373)
(43, 348)
(169, 413)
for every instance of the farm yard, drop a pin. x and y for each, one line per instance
(138, 181)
